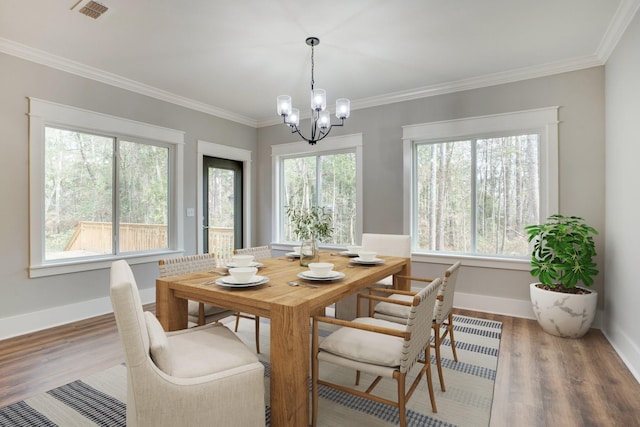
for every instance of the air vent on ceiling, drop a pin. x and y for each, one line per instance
(93, 9)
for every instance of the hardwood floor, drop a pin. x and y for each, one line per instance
(541, 380)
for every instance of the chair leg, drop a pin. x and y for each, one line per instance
(402, 404)
(314, 375)
(237, 321)
(453, 342)
(436, 345)
(257, 334)
(427, 368)
(201, 314)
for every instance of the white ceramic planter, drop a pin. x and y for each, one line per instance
(563, 315)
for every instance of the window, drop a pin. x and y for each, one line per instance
(476, 183)
(327, 175)
(101, 187)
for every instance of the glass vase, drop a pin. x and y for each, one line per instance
(309, 252)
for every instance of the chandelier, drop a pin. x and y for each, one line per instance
(320, 116)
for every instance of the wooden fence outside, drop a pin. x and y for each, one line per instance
(96, 237)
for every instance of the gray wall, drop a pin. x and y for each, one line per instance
(622, 316)
(580, 96)
(20, 79)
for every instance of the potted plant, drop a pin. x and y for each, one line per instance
(562, 257)
(310, 225)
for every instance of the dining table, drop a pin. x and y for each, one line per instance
(288, 299)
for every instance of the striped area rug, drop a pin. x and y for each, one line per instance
(98, 400)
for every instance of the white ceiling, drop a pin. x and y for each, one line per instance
(232, 58)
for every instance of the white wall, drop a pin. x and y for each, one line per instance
(622, 314)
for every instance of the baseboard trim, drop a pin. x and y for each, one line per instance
(504, 306)
(56, 316)
(625, 347)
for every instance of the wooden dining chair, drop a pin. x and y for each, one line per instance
(442, 312)
(383, 244)
(379, 347)
(199, 313)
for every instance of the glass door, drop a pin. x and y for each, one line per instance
(222, 215)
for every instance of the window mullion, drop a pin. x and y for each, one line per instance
(473, 194)
(318, 195)
(115, 221)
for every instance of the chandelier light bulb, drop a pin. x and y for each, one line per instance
(318, 99)
(293, 119)
(284, 105)
(343, 108)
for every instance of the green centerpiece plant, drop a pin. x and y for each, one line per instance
(310, 225)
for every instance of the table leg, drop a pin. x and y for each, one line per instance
(289, 366)
(403, 284)
(172, 312)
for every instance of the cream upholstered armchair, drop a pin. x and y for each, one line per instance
(194, 377)
(383, 244)
(442, 312)
(378, 347)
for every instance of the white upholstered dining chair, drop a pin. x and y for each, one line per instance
(379, 347)
(197, 376)
(200, 313)
(258, 252)
(383, 244)
(442, 312)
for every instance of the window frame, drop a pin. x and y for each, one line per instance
(44, 114)
(543, 121)
(329, 145)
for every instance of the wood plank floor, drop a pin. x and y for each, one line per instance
(541, 380)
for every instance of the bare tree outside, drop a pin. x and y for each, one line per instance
(497, 178)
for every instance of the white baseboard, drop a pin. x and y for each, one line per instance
(504, 306)
(44, 319)
(626, 349)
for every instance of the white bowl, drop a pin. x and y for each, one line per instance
(367, 255)
(321, 269)
(354, 249)
(242, 260)
(297, 249)
(243, 274)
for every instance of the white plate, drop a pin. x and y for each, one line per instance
(372, 262)
(349, 254)
(230, 280)
(242, 285)
(293, 255)
(253, 264)
(310, 276)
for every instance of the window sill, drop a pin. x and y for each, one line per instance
(75, 266)
(473, 261)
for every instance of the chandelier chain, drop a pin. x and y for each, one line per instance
(312, 67)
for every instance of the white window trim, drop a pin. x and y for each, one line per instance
(328, 144)
(45, 113)
(542, 120)
(230, 153)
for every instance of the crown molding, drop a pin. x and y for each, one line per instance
(38, 56)
(488, 80)
(618, 25)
